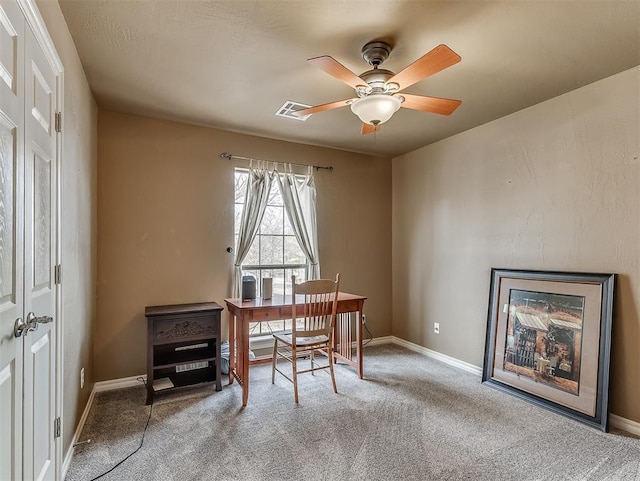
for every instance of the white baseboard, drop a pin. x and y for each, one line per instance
(377, 341)
(452, 361)
(625, 424)
(76, 435)
(119, 383)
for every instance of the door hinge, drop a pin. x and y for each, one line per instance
(57, 274)
(56, 428)
(58, 122)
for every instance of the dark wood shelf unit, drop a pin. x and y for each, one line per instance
(183, 346)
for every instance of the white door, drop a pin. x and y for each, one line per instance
(39, 351)
(11, 236)
(27, 252)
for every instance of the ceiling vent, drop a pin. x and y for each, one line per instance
(289, 108)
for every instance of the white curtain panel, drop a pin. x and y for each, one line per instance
(255, 202)
(299, 197)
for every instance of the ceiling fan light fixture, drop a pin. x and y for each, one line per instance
(376, 109)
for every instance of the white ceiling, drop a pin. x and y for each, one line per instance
(231, 64)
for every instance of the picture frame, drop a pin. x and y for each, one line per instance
(548, 340)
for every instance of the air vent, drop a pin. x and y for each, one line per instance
(288, 108)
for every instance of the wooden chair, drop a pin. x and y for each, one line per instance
(312, 329)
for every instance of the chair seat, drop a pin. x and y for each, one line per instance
(287, 339)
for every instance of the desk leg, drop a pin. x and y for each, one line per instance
(244, 353)
(232, 346)
(239, 352)
(359, 344)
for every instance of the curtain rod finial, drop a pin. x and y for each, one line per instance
(225, 155)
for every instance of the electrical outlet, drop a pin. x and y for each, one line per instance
(82, 378)
(436, 327)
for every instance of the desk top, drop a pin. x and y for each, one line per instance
(278, 301)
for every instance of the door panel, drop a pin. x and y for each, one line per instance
(10, 456)
(10, 27)
(41, 98)
(42, 255)
(7, 209)
(39, 241)
(11, 236)
(42, 426)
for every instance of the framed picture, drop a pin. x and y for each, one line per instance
(549, 340)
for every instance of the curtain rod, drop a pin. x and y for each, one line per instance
(228, 156)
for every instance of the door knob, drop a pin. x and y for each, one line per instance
(34, 321)
(19, 327)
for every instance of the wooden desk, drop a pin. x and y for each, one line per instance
(260, 310)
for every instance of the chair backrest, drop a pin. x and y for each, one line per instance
(319, 300)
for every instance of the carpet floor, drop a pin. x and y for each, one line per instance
(411, 418)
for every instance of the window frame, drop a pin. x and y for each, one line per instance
(264, 329)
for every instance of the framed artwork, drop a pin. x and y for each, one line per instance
(549, 340)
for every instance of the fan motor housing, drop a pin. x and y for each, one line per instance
(377, 78)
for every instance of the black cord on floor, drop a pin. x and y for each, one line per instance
(364, 323)
(141, 440)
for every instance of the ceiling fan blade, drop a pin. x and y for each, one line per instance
(430, 104)
(368, 128)
(337, 70)
(321, 108)
(430, 63)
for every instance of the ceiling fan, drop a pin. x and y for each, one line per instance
(378, 89)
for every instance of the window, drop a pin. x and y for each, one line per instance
(275, 252)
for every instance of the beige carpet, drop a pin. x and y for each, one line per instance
(412, 418)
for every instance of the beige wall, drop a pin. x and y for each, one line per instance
(552, 187)
(79, 223)
(165, 214)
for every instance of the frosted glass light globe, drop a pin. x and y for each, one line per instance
(376, 109)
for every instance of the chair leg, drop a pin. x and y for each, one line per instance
(333, 377)
(294, 367)
(273, 361)
(311, 359)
